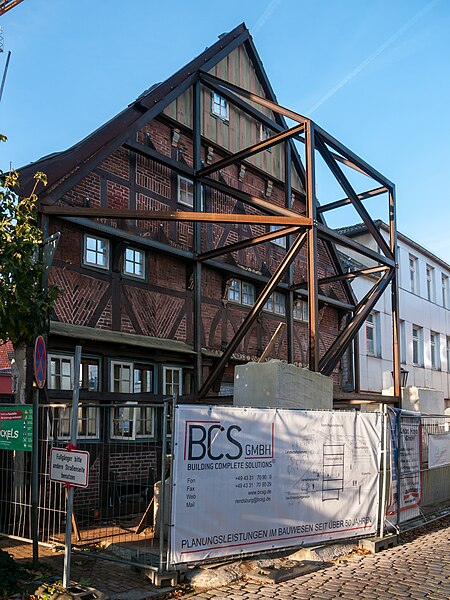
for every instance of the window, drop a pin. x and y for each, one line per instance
(448, 354)
(134, 263)
(435, 351)
(132, 421)
(219, 107)
(241, 292)
(89, 374)
(444, 291)
(172, 381)
(403, 342)
(413, 274)
(264, 134)
(417, 345)
(373, 334)
(60, 372)
(301, 310)
(96, 252)
(131, 378)
(281, 241)
(430, 284)
(276, 303)
(88, 422)
(185, 191)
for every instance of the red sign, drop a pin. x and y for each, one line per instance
(40, 362)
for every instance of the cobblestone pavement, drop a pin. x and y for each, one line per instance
(418, 568)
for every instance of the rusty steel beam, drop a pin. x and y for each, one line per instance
(151, 215)
(395, 299)
(362, 311)
(6, 5)
(311, 205)
(351, 275)
(250, 151)
(281, 110)
(253, 241)
(348, 189)
(342, 240)
(253, 313)
(254, 201)
(353, 158)
(345, 201)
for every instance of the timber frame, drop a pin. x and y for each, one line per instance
(300, 231)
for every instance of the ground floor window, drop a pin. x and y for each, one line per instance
(130, 421)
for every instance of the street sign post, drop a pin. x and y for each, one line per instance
(40, 362)
(69, 466)
(16, 427)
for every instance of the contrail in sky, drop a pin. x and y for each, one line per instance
(372, 57)
(265, 16)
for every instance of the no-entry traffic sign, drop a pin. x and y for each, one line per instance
(40, 362)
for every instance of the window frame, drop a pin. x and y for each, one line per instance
(133, 366)
(418, 339)
(133, 262)
(281, 241)
(444, 287)
(301, 311)
(223, 112)
(173, 368)
(81, 406)
(56, 356)
(272, 303)
(182, 179)
(96, 264)
(413, 274)
(134, 407)
(435, 355)
(236, 292)
(373, 326)
(431, 288)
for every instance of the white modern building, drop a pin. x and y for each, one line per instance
(424, 302)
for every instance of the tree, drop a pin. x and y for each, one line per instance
(25, 306)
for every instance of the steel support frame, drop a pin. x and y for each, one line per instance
(309, 228)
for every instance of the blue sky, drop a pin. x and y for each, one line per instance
(374, 73)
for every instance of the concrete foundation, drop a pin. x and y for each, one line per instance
(276, 384)
(424, 400)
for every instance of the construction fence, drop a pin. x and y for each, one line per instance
(237, 481)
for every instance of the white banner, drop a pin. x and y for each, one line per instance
(247, 480)
(438, 450)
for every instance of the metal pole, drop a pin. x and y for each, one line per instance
(399, 466)
(395, 300)
(162, 487)
(4, 74)
(169, 506)
(73, 441)
(311, 205)
(384, 470)
(35, 479)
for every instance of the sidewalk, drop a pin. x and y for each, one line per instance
(419, 567)
(118, 581)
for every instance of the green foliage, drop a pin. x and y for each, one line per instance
(24, 306)
(10, 573)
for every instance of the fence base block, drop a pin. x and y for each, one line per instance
(164, 579)
(378, 544)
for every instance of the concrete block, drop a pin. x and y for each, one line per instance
(377, 544)
(276, 384)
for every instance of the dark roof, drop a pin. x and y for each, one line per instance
(358, 228)
(117, 130)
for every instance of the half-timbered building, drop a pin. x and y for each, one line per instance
(188, 244)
